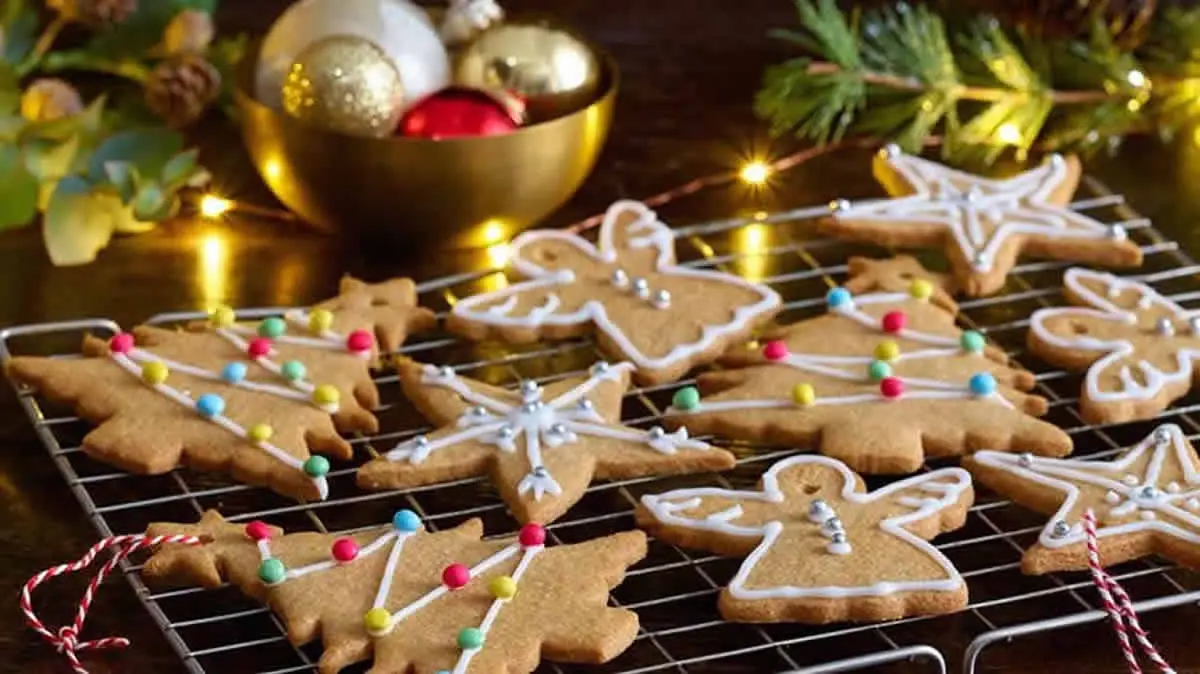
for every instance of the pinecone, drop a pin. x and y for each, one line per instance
(95, 13)
(181, 88)
(189, 32)
(48, 99)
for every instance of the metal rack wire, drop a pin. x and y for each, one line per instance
(674, 590)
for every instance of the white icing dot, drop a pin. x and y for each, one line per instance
(1173, 487)
(1193, 504)
(1130, 480)
(1148, 515)
(1112, 498)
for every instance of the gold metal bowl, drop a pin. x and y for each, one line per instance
(417, 193)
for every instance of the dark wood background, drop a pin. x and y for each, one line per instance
(690, 68)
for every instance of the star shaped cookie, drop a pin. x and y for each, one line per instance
(1146, 501)
(541, 445)
(627, 289)
(983, 224)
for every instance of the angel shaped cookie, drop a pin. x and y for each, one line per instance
(819, 547)
(627, 289)
(542, 445)
(1146, 501)
(1136, 345)
(983, 224)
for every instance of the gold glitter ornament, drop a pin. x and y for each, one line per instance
(347, 84)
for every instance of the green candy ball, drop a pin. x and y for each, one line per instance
(293, 370)
(686, 398)
(878, 369)
(271, 571)
(972, 341)
(316, 466)
(470, 638)
(272, 327)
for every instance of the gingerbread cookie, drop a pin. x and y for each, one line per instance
(1146, 501)
(542, 446)
(819, 548)
(389, 310)
(880, 381)
(418, 600)
(983, 224)
(252, 400)
(1136, 345)
(897, 274)
(628, 290)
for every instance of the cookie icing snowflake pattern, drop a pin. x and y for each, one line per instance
(1146, 501)
(415, 599)
(984, 224)
(542, 445)
(879, 381)
(628, 289)
(1137, 347)
(812, 536)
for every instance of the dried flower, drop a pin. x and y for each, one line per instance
(48, 99)
(189, 32)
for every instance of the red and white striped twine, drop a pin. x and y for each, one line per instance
(1119, 607)
(66, 639)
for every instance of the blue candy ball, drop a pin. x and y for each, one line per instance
(210, 404)
(406, 520)
(234, 372)
(983, 384)
(838, 297)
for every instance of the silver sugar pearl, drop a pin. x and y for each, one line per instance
(599, 368)
(838, 537)
(1194, 325)
(445, 372)
(619, 278)
(505, 432)
(421, 441)
(979, 259)
(641, 287)
(891, 151)
(1162, 435)
(1148, 492)
(833, 524)
(817, 506)
(531, 407)
(558, 429)
(540, 471)
(529, 387)
(662, 299)
(1056, 160)
(1025, 459)
(657, 433)
(1164, 326)
(839, 205)
(478, 411)
(585, 405)
(973, 194)
(1116, 233)
(1060, 529)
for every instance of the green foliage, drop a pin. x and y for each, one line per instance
(904, 73)
(144, 28)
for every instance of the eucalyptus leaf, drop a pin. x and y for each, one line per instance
(20, 30)
(123, 176)
(18, 190)
(149, 202)
(177, 171)
(147, 150)
(125, 222)
(10, 89)
(49, 160)
(78, 222)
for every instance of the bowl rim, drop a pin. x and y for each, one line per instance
(244, 95)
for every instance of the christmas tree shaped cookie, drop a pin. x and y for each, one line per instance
(1137, 346)
(1146, 501)
(819, 548)
(417, 600)
(628, 290)
(983, 224)
(541, 445)
(259, 401)
(880, 381)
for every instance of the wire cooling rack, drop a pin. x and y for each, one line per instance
(674, 590)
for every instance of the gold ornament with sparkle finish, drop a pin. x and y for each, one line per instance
(554, 71)
(347, 84)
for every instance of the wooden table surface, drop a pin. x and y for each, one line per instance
(690, 68)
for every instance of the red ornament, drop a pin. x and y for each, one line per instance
(891, 387)
(259, 347)
(344, 550)
(258, 531)
(122, 343)
(893, 321)
(775, 350)
(533, 535)
(459, 112)
(359, 341)
(456, 576)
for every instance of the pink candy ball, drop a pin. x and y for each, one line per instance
(258, 531)
(344, 550)
(122, 343)
(891, 387)
(259, 347)
(359, 341)
(533, 535)
(775, 350)
(456, 576)
(893, 321)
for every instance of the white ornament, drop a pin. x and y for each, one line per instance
(465, 18)
(401, 29)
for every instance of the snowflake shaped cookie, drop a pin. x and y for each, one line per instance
(1146, 501)
(643, 307)
(541, 445)
(983, 224)
(813, 538)
(1136, 346)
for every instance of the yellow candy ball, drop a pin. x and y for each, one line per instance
(377, 620)
(326, 394)
(921, 289)
(887, 351)
(259, 433)
(804, 394)
(222, 317)
(503, 587)
(155, 372)
(320, 320)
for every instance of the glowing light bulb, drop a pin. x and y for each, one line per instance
(1136, 78)
(1008, 133)
(212, 206)
(755, 173)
